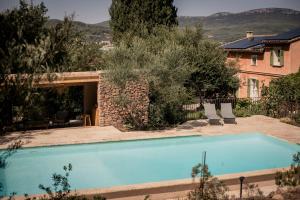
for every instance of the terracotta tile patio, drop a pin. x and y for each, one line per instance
(78, 135)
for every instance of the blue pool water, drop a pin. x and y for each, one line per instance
(131, 162)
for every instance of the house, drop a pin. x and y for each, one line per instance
(263, 58)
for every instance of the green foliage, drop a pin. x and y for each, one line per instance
(297, 118)
(5, 154)
(140, 17)
(252, 192)
(170, 60)
(242, 108)
(211, 76)
(91, 32)
(241, 112)
(290, 177)
(161, 61)
(29, 49)
(193, 115)
(209, 188)
(46, 102)
(248, 107)
(61, 188)
(283, 94)
(83, 55)
(9, 151)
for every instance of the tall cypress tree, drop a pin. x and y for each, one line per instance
(139, 17)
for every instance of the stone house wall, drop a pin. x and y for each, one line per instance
(111, 113)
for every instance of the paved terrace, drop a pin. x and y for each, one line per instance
(79, 135)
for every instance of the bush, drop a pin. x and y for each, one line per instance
(297, 118)
(61, 188)
(282, 95)
(290, 177)
(247, 107)
(242, 108)
(209, 188)
(241, 112)
(193, 115)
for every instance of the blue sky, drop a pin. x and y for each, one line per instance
(94, 11)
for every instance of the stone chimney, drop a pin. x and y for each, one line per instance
(249, 35)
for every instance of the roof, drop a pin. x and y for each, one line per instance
(290, 35)
(259, 42)
(63, 78)
(246, 43)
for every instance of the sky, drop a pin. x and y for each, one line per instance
(94, 11)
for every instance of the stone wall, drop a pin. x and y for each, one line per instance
(111, 113)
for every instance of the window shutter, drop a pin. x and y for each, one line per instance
(281, 57)
(248, 89)
(271, 57)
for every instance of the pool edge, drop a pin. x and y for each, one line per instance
(169, 186)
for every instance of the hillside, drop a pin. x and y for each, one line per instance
(223, 26)
(231, 26)
(94, 32)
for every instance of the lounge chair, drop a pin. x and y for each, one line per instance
(61, 118)
(226, 112)
(210, 113)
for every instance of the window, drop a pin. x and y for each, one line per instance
(254, 60)
(253, 88)
(277, 57)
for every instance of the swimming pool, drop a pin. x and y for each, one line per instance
(131, 162)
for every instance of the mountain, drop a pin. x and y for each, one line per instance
(94, 32)
(225, 26)
(103, 24)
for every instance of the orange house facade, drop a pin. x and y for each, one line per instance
(263, 58)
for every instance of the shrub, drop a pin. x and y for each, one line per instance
(282, 95)
(241, 112)
(247, 107)
(290, 177)
(192, 115)
(297, 118)
(61, 189)
(209, 188)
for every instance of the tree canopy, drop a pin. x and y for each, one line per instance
(28, 49)
(139, 17)
(177, 64)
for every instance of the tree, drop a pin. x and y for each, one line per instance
(171, 61)
(23, 42)
(29, 49)
(140, 17)
(212, 76)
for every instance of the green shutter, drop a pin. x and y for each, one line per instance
(271, 57)
(281, 57)
(248, 90)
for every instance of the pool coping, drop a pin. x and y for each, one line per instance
(170, 185)
(191, 134)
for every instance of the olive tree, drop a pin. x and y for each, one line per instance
(169, 61)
